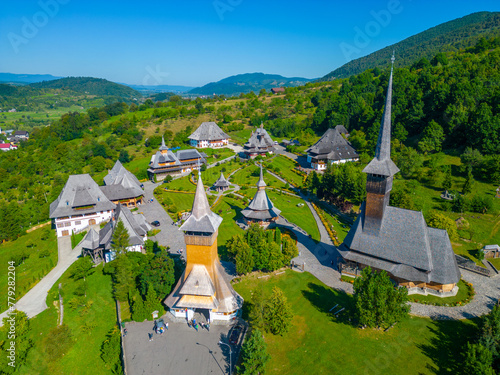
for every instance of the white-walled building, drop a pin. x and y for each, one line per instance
(81, 203)
(332, 147)
(208, 134)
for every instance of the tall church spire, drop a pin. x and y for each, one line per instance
(382, 163)
(202, 218)
(163, 145)
(261, 184)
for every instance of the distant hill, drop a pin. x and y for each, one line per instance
(449, 36)
(244, 83)
(25, 78)
(92, 86)
(160, 88)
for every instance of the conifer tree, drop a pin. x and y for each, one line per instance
(138, 310)
(278, 313)
(469, 181)
(244, 259)
(120, 240)
(254, 354)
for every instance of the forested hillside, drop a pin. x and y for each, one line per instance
(450, 36)
(92, 86)
(244, 83)
(449, 104)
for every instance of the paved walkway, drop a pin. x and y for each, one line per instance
(34, 302)
(169, 235)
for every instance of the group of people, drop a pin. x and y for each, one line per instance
(193, 323)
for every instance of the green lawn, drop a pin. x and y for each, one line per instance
(301, 216)
(318, 342)
(215, 155)
(182, 201)
(286, 167)
(229, 209)
(248, 176)
(212, 174)
(495, 262)
(88, 328)
(241, 136)
(180, 184)
(138, 166)
(42, 258)
(341, 228)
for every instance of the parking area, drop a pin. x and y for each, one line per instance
(180, 350)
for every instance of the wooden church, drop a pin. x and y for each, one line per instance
(204, 286)
(393, 239)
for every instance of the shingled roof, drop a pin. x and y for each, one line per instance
(260, 141)
(208, 131)
(221, 182)
(261, 207)
(332, 146)
(121, 184)
(202, 218)
(80, 191)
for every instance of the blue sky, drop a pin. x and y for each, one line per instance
(194, 42)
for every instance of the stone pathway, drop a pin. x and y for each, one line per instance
(34, 302)
(169, 235)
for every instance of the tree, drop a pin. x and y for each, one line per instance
(478, 360)
(440, 221)
(469, 182)
(82, 268)
(377, 302)
(278, 313)
(152, 302)
(275, 259)
(158, 274)
(244, 259)
(432, 139)
(22, 342)
(234, 244)
(124, 156)
(120, 240)
(139, 313)
(447, 178)
(254, 354)
(124, 278)
(111, 351)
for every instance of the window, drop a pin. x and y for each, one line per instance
(60, 225)
(78, 222)
(67, 224)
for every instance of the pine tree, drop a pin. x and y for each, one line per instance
(278, 313)
(120, 240)
(277, 236)
(138, 311)
(254, 354)
(447, 178)
(469, 181)
(152, 303)
(275, 259)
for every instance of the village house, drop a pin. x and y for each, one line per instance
(491, 251)
(260, 143)
(203, 287)
(80, 204)
(332, 147)
(278, 90)
(121, 186)
(97, 244)
(22, 134)
(7, 146)
(165, 162)
(208, 134)
(260, 210)
(397, 240)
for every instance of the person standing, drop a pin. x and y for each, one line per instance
(166, 325)
(196, 327)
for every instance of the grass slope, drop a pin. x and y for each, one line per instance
(318, 343)
(42, 258)
(88, 328)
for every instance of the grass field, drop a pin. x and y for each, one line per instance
(138, 166)
(248, 177)
(212, 174)
(339, 227)
(301, 216)
(318, 342)
(241, 136)
(181, 184)
(218, 154)
(182, 201)
(88, 328)
(42, 257)
(286, 167)
(229, 209)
